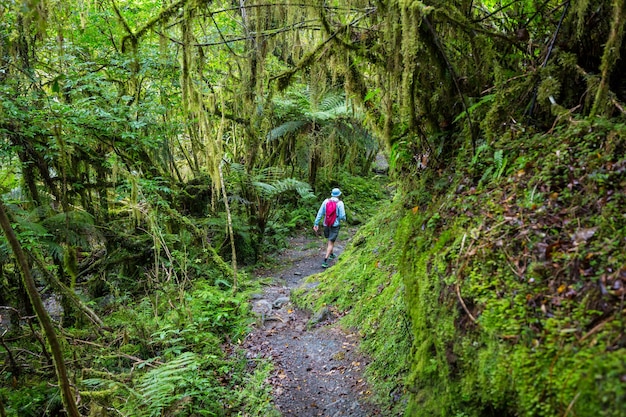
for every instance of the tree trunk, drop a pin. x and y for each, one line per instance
(66, 392)
(610, 56)
(230, 229)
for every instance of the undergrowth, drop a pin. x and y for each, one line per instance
(172, 353)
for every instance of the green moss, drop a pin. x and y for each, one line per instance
(502, 287)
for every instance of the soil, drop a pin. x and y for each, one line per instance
(318, 369)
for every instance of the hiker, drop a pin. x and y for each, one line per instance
(333, 212)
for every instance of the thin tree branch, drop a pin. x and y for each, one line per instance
(222, 36)
(545, 61)
(285, 76)
(499, 9)
(15, 370)
(458, 294)
(267, 34)
(124, 23)
(67, 292)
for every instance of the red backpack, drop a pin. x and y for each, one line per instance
(331, 213)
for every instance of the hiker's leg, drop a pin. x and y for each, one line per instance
(329, 248)
(333, 234)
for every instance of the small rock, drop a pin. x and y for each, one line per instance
(311, 285)
(318, 317)
(262, 308)
(280, 301)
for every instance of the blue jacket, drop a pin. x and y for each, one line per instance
(321, 213)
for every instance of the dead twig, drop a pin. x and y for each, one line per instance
(571, 404)
(618, 105)
(458, 285)
(123, 355)
(15, 370)
(458, 294)
(596, 328)
(519, 271)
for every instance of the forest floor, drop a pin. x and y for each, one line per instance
(318, 369)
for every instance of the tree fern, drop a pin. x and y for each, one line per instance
(332, 101)
(330, 114)
(286, 128)
(272, 190)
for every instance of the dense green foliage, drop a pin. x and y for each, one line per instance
(162, 354)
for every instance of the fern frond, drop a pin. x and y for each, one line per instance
(497, 158)
(163, 386)
(292, 184)
(238, 168)
(269, 174)
(333, 113)
(285, 129)
(238, 199)
(332, 101)
(284, 185)
(74, 227)
(265, 189)
(56, 250)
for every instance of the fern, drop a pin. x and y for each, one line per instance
(286, 128)
(330, 114)
(268, 190)
(500, 162)
(487, 99)
(75, 228)
(282, 186)
(269, 174)
(163, 387)
(497, 158)
(482, 148)
(333, 101)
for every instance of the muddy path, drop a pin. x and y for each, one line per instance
(317, 367)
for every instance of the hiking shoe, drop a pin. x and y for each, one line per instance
(324, 264)
(332, 256)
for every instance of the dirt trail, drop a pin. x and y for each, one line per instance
(318, 371)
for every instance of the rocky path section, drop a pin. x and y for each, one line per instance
(318, 369)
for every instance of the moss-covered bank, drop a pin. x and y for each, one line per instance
(515, 280)
(506, 276)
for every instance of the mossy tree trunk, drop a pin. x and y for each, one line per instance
(44, 319)
(610, 56)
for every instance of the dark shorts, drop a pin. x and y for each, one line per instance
(331, 233)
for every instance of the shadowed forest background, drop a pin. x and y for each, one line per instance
(153, 152)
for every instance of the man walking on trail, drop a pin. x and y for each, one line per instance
(333, 212)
